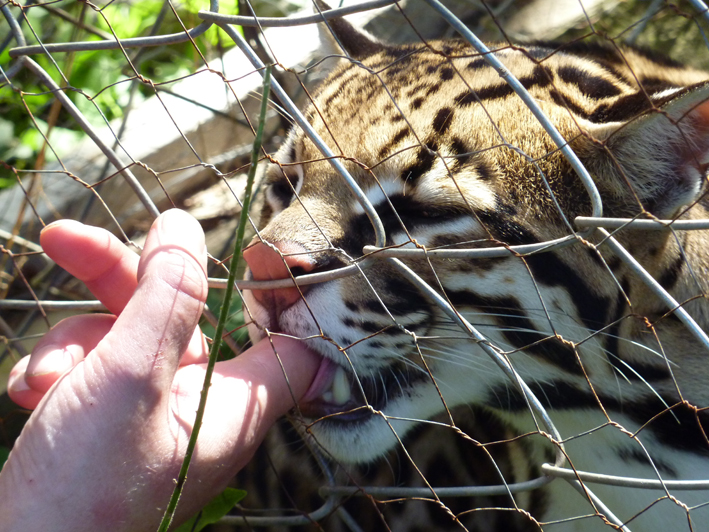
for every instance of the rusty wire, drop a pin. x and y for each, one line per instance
(377, 251)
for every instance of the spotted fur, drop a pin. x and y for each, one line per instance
(452, 158)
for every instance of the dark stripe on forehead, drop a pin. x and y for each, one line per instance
(337, 94)
(637, 455)
(559, 395)
(622, 109)
(404, 53)
(659, 58)
(683, 427)
(613, 332)
(351, 71)
(460, 150)
(400, 135)
(425, 158)
(374, 88)
(416, 213)
(538, 78)
(413, 214)
(443, 120)
(602, 52)
(409, 302)
(446, 74)
(372, 327)
(590, 85)
(521, 333)
(567, 103)
(467, 98)
(484, 170)
(476, 64)
(653, 85)
(392, 71)
(416, 89)
(401, 298)
(433, 89)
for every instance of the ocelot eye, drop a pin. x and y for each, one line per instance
(281, 191)
(284, 187)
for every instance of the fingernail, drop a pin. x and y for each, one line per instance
(51, 359)
(57, 223)
(182, 228)
(16, 383)
(182, 224)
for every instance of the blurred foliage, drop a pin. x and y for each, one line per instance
(672, 28)
(214, 511)
(101, 82)
(4, 453)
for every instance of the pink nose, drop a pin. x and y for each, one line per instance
(266, 263)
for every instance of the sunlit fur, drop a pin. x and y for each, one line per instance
(434, 133)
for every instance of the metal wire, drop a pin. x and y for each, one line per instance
(282, 22)
(52, 306)
(89, 130)
(494, 62)
(458, 491)
(645, 225)
(701, 7)
(656, 287)
(16, 33)
(300, 120)
(133, 42)
(332, 492)
(626, 482)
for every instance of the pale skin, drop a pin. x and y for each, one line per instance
(114, 396)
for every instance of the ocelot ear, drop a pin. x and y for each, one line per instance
(338, 35)
(661, 154)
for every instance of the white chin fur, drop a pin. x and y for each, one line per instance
(362, 443)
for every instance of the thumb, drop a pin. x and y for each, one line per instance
(246, 396)
(151, 334)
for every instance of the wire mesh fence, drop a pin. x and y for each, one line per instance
(546, 373)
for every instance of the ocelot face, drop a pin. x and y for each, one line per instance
(380, 339)
(451, 158)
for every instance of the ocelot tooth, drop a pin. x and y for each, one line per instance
(341, 390)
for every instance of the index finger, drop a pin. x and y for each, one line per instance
(96, 257)
(107, 267)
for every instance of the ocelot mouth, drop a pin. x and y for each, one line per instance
(336, 393)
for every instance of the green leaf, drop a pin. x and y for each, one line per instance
(234, 324)
(5, 452)
(214, 511)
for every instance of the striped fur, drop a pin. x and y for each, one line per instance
(451, 158)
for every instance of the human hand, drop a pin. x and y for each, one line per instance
(116, 396)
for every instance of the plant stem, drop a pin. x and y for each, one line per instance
(225, 308)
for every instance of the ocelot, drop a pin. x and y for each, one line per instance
(451, 158)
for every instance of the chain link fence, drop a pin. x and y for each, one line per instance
(115, 150)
